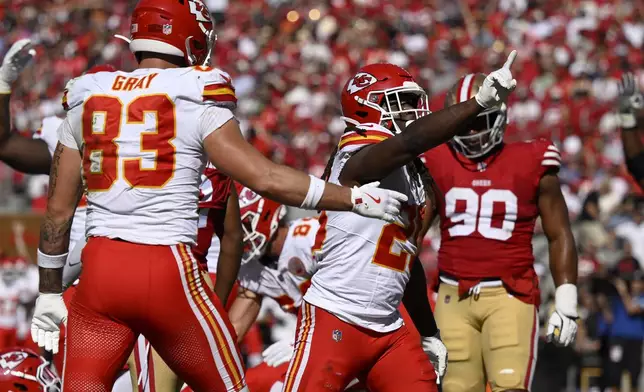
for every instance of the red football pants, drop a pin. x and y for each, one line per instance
(130, 289)
(329, 353)
(263, 378)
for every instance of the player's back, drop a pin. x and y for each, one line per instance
(488, 209)
(363, 263)
(142, 138)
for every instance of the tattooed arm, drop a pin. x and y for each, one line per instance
(65, 190)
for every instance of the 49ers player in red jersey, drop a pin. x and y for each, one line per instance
(349, 324)
(489, 195)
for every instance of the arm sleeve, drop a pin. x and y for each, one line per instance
(212, 118)
(66, 132)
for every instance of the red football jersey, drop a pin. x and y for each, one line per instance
(488, 212)
(214, 191)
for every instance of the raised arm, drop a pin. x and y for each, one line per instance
(631, 118)
(375, 162)
(19, 152)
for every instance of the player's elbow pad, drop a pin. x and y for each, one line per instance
(635, 166)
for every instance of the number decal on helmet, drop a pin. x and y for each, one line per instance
(360, 81)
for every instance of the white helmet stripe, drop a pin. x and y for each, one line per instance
(466, 86)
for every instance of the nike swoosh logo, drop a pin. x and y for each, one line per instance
(71, 265)
(373, 198)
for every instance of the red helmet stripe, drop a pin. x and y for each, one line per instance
(464, 92)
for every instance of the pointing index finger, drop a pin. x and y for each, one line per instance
(510, 60)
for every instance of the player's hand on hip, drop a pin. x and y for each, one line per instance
(374, 202)
(437, 353)
(498, 85)
(16, 59)
(630, 103)
(562, 325)
(49, 313)
(278, 353)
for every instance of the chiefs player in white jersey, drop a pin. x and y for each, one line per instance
(349, 325)
(140, 141)
(489, 195)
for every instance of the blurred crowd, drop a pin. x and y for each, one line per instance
(290, 59)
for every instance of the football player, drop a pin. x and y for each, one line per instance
(489, 195)
(349, 325)
(140, 141)
(22, 370)
(631, 120)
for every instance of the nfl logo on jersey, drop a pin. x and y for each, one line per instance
(337, 335)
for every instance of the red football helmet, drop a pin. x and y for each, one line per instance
(382, 93)
(22, 370)
(174, 27)
(260, 218)
(486, 132)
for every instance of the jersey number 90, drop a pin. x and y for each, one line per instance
(478, 212)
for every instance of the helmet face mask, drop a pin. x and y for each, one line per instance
(487, 132)
(260, 220)
(401, 105)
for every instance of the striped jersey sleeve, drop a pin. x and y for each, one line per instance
(363, 136)
(550, 157)
(217, 87)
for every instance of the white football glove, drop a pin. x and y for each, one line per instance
(16, 59)
(630, 101)
(437, 353)
(498, 85)
(562, 325)
(49, 313)
(374, 202)
(278, 353)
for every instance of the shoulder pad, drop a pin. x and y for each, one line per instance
(549, 154)
(216, 87)
(73, 93)
(363, 135)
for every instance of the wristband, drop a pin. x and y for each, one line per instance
(626, 121)
(313, 196)
(51, 261)
(566, 299)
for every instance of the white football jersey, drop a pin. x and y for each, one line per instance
(48, 133)
(141, 135)
(363, 263)
(288, 283)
